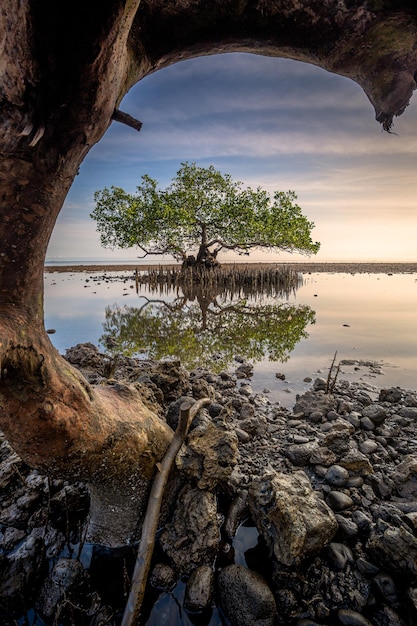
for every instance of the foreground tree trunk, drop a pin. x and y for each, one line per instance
(64, 68)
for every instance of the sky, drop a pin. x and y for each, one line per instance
(269, 122)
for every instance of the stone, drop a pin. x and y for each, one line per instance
(337, 475)
(19, 571)
(193, 536)
(294, 521)
(352, 618)
(339, 501)
(245, 597)
(209, 455)
(63, 584)
(376, 412)
(323, 456)
(369, 446)
(347, 526)
(338, 441)
(199, 589)
(367, 424)
(394, 548)
(320, 384)
(408, 412)
(356, 461)
(405, 477)
(339, 555)
(299, 454)
(163, 577)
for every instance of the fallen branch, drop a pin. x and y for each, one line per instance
(147, 540)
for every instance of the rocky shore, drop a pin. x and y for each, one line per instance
(327, 491)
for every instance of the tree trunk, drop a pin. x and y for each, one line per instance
(64, 68)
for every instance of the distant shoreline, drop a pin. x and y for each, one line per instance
(303, 267)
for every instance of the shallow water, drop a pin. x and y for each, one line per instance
(362, 317)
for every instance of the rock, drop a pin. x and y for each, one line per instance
(19, 573)
(199, 589)
(355, 461)
(62, 585)
(337, 475)
(376, 412)
(339, 555)
(193, 536)
(300, 454)
(163, 577)
(320, 384)
(339, 501)
(338, 441)
(348, 526)
(369, 446)
(392, 395)
(408, 412)
(323, 456)
(209, 455)
(293, 520)
(405, 477)
(254, 425)
(312, 401)
(394, 548)
(352, 618)
(245, 597)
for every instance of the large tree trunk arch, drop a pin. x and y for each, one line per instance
(63, 73)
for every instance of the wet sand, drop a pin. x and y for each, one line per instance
(307, 267)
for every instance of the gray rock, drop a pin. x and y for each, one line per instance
(19, 571)
(395, 548)
(408, 412)
(63, 583)
(376, 412)
(352, 618)
(294, 521)
(367, 424)
(320, 384)
(347, 526)
(199, 589)
(339, 555)
(339, 501)
(209, 455)
(362, 520)
(299, 454)
(337, 475)
(369, 446)
(392, 395)
(163, 577)
(245, 597)
(405, 477)
(193, 536)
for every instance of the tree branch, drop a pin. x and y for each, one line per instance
(147, 541)
(125, 118)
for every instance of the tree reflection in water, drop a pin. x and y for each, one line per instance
(203, 327)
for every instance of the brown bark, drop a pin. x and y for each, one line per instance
(64, 69)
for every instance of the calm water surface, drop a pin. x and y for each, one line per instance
(364, 317)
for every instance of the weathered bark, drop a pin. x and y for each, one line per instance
(64, 68)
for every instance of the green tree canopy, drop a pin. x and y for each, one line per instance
(202, 211)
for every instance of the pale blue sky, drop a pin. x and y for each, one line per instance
(271, 122)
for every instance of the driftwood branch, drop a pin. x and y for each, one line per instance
(147, 540)
(125, 118)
